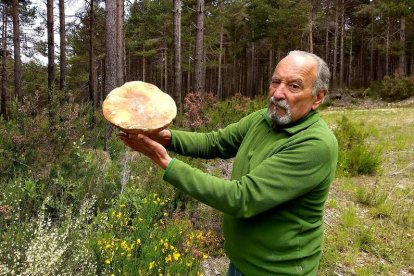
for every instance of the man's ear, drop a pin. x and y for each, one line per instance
(318, 99)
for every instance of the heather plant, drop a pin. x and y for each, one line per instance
(203, 112)
(233, 109)
(393, 88)
(37, 135)
(356, 155)
(195, 109)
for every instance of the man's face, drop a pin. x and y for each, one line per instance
(291, 88)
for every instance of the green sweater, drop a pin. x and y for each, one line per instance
(273, 204)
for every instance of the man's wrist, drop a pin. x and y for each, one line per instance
(166, 162)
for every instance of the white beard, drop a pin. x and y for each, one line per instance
(272, 112)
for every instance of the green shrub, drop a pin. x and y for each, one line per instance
(393, 89)
(356, 155)
(41, 247)
(139, 235)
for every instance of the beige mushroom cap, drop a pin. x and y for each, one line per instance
(139, 107)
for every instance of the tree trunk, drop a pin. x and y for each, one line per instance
(198, 68)
(311, 19)
(327, 39)
(189, 73)
(165, 68)
(3, 98)
(402, 68)
(350, 71)
(120, 45)
(92, 70)
(271, 64)
(115, 49)
(50, 51)
(17, 59)
(110, 44)
(177, 55)
(62, 32)
(252, 79)
(387, 48)
(219, 84)
(371, 62)
(335, 46)
(341, 55)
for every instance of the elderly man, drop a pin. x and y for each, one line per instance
(284, 162)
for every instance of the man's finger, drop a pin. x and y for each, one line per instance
(150, 143)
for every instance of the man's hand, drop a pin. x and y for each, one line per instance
(163, 137)
(152, 148)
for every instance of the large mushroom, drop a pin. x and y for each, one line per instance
(139, 107)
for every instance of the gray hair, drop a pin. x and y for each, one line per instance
(323, 75)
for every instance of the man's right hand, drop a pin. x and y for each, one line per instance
(163, 137)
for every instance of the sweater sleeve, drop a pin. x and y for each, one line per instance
(270, 184)
(223, 143)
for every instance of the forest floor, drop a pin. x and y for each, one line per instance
(397, 173)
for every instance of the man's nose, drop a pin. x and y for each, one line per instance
(278, 92)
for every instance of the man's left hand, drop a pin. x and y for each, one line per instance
(153, 150)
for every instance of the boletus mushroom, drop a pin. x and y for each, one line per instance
(139, 107)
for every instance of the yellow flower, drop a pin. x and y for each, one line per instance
(166, 244)
(168, 258)
(107, 261)
(138, 241)
(176, 256)
(172, 247)
(124, 245)
(205, 256)
(165, 214)
(151, 265)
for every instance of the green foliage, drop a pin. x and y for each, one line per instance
(139, 235)
(203, 112)
(89, 206)
(41, 247)
(393, 89)
(356, 155)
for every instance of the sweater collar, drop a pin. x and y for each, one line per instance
(309, 119)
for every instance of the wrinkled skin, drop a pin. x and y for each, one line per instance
(152, 146)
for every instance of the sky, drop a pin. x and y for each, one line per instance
(71, 7)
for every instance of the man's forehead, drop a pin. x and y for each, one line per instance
(296, 67)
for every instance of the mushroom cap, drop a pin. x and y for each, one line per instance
(139, 107)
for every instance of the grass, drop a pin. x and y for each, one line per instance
(370, 218)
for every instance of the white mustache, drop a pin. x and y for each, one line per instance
(283, 103)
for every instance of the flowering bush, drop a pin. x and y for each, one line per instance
(140, 235)
(195, 105)
(42, 247)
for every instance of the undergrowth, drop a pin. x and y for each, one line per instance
(74, 201)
